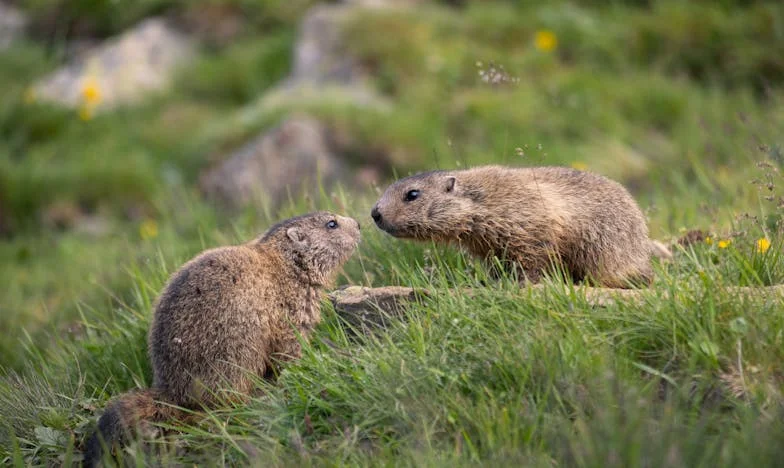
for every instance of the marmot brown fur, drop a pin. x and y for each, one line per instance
(227, 315)
(529, 217)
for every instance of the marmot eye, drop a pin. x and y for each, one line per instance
(412, 195)
(332, 224)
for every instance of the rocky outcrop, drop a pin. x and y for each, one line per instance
(323, 71)
(301, 151)
(320, 56)
(122, 70)
(322, 65)
(290, 158)
(12, 24)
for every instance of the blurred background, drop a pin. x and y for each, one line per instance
(135, 133)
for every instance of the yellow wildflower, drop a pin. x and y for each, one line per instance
(724, 243)
(86, 113)
(29, 96)
(709, 240)
(763, 245)
(148, 229)
(91, 93)
(579, 165)
(545, 40)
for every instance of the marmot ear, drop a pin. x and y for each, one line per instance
(450, 184)
(296, 235)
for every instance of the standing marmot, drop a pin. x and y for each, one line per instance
(229, 314)
(530, 217)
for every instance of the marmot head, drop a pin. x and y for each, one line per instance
(318, 243)
(427, 206)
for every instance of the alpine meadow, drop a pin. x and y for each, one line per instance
(135, 135)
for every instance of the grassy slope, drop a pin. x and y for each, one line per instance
(693, 379)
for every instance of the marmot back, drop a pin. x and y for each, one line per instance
(230, 314)
(528, 217)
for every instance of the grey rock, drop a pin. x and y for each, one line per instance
(123, 70)
(12, 24)
(323, 68)
(301, 151)
(369, 309)
(320, 55)
(289, 158)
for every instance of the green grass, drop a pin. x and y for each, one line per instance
(680, 101)
(495, 377)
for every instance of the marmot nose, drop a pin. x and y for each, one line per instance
(376, 215)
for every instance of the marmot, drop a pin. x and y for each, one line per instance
(228, 314)
(529, 218)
